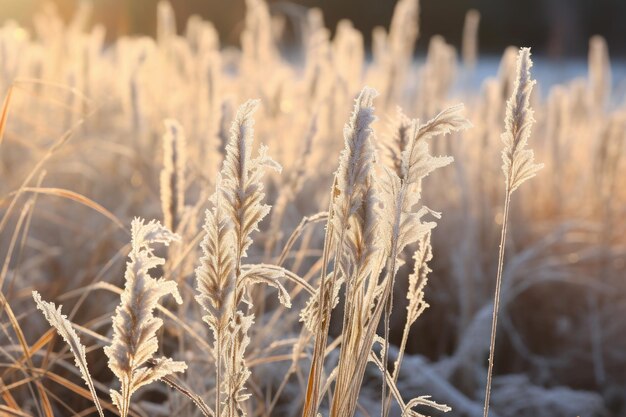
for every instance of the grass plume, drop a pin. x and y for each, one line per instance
(518, 165)
(134, 325)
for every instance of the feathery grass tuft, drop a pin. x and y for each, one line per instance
(242, 188)
(134, 325)
(518, 166)
(355, 170)
(64, 327)
(518, 162)
(222, 280)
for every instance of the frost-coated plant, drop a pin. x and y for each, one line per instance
(215, 279)
(173, 173)
(403, 193)
(222, 279)
(131, 352)
(64, 327)
(350, 184)
(351, 207)
(518, 165)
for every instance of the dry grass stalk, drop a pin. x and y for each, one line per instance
(518, 166)
(222, 279)
(216, 278)
(64, 327)
(470, 39)
(599, 73)
(134, 325)
(173, 174)
(363, 258)
(362, 266)
(237, 373)
(355, 165)
(417, 305)
(404, 192)
(400, 45)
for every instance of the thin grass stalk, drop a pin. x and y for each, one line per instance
(64, 327)
(391, 273)
(416, 306)
(364, 351)
(518, 166)
(311, 400)
(405, 193)
(496, 302)
(218, 375)
(318, 217)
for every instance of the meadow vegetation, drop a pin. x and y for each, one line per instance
(148, 186)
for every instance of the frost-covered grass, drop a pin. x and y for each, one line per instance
(377, 210)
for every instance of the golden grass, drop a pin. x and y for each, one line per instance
(357, 230)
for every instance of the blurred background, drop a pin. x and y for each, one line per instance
(554, 28)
